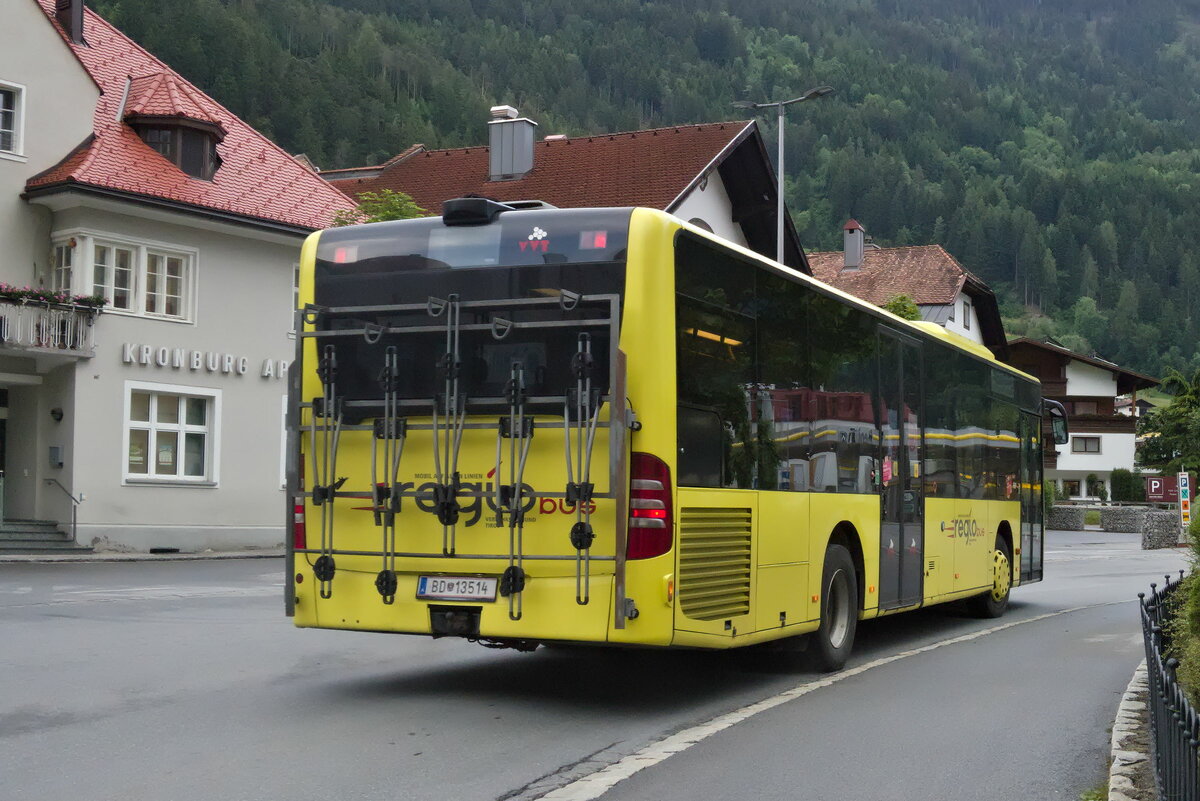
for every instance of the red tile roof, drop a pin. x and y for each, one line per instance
(637, 168)
(926, 273)
(257, 179)
(165, 94)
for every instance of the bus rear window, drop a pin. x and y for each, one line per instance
(520, 255)
(515, 238)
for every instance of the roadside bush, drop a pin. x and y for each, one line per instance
(1184, 626)
(1128, 486)
(1049, 496)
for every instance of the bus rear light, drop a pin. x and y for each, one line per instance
(650, 528)
(299, 535)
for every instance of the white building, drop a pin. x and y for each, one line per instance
(161, 416)
(1102, 437)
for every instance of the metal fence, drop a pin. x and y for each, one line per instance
(1174, 723)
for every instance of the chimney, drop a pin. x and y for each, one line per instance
(854, 239)
(510, 139)
(69, 14)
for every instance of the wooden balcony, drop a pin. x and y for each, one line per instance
(1054, 388)
(1101, 424)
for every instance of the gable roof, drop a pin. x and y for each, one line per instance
(1127, 380)
(655, 168)
(258, 182)
(926, 273)
(636, 168)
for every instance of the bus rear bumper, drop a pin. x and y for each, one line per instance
(547, 609)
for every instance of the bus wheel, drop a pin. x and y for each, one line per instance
(994, 602)
(832, 642)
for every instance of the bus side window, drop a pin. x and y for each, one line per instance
(842, 352)
(701, 447)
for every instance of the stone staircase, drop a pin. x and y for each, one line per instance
(36, 537)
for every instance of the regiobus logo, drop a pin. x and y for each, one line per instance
(471, 509)
(963, 527)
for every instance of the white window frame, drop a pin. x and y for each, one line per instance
(966, 321)
(18, 151)
(283, 446)
(1088, 438)
(212, 432)
(295, 300)
(62, 263)
(84, 263)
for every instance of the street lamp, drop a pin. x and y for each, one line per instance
(811, 94)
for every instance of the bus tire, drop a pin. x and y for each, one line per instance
(832, 642)
(994, 602)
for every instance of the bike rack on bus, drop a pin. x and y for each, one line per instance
(454, 412)
(510, 500)
(581, 404)
(585, 402)
(325, 482)
(391, 430)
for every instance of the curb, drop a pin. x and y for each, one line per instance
(1127, 723)
(42, 558)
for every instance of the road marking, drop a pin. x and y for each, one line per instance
(154, 594)
(597, 784)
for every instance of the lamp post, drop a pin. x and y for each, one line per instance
(811, 94)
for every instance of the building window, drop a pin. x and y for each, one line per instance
(295, 298)
(1085, 444)
(164, 284)
(145, 279)
(966, 314)
(112, 275)
(64, 256)
(1084, 407)
(190, 149)
(171, 433)
(12, 101)
(1071, 488)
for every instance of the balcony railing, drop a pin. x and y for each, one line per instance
(48, 327)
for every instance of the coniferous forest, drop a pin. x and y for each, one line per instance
(1050, 145)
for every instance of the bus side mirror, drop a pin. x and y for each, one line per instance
(1058, 421)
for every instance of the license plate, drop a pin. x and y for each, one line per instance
(456, 588)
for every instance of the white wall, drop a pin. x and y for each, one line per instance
(243, 293)
(1116, 450)
(957, 325)
(1085, 379)
(59, 101)
(712, 205)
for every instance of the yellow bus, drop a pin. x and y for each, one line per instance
(540, 426)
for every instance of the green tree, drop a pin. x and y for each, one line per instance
(903, 306)
(1171, 435)
(378, 207)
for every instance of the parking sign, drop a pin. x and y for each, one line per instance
(1185, 500)
(1162, 489)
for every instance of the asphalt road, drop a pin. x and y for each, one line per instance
(182, 680)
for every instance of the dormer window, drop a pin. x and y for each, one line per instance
(177, 121)
(188, 147)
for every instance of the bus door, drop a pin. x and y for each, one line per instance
(902, 536)
(1031, 497)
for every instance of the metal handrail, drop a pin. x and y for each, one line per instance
(74, 507)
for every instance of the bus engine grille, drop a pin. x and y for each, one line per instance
(714, 562)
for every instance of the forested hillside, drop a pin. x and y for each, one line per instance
(1051, 145)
